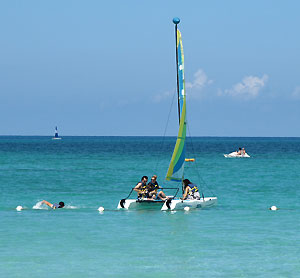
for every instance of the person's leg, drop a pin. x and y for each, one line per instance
(162, 196)
(152, 195)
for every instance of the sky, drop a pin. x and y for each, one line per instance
(107, 68)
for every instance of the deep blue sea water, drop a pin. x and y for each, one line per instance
(240, 237)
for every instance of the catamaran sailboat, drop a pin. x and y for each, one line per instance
(56, 137)
(175, 172)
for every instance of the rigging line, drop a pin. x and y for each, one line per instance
(196, 165)
(166, 126)
(194, 154)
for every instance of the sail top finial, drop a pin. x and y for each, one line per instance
(176, 20)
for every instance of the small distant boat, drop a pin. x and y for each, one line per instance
(175, 171)
(56, 137)
(235, 154)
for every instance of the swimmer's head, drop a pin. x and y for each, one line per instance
(61, 204)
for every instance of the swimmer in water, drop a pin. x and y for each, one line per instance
(54, 206)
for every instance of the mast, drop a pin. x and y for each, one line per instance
(176, 166)
(176, 21)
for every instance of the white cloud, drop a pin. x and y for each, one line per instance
(296, 93)
(200, 80)
(163, 96)
(248, 88)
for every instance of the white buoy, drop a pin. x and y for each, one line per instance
(101, 209)
(19, 208)
(273, 208)
(186, 208)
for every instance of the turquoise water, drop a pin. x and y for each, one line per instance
(238, 238)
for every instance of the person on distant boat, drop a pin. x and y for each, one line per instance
(54, 206)
(191, 191)
(141, 187)
(153, 190)
(239, 151)
(243, 152)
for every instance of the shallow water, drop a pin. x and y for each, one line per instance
(238, 238)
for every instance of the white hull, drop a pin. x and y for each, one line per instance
(57, 138)
(140, 204)
(235, 154)
(172, 204)
(181, 204)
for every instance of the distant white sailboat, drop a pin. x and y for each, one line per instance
(56, 137)
(175, 172)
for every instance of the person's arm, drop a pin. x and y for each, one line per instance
(154, 191)
(47, 203)
(137, 188)
(185, 193)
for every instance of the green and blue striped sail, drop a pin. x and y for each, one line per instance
(176, 167)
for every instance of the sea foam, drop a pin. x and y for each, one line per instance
(70, 207)
(39, 205)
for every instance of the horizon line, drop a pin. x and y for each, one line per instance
(202, 136)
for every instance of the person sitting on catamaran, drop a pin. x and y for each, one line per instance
(54, 206)
(141, 187)
(191, 191)
(153, 190)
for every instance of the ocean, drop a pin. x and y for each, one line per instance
(240, 237)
